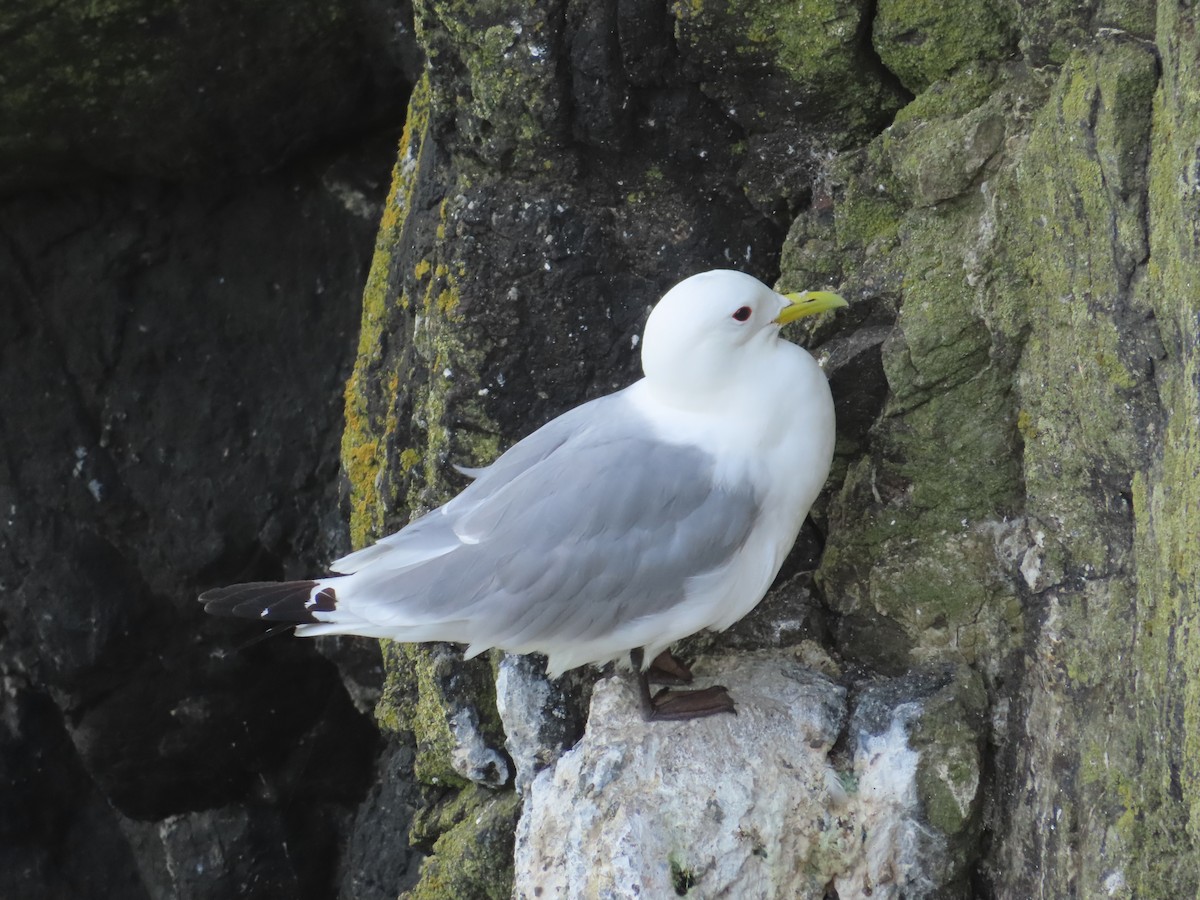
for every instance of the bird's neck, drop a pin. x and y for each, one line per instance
(762, 383)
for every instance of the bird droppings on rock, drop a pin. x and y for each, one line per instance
(756, 806)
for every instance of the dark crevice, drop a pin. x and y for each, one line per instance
(875, 63)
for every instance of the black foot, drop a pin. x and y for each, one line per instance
(673, 705)
(666, 669)
(669, 705)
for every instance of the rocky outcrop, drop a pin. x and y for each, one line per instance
(997, 187)
(974, 676)
(762, 804)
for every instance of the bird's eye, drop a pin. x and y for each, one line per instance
(743, 313)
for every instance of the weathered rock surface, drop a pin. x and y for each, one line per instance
(541, 717)
(139, 88)
(563, 164)
(1005, 501)
(1004, 566)
(165, 427)
(758, 805)
(172, 363)
(742, 805)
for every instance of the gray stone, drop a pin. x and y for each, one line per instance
(471, 756)
(760, 805)
(541, 716)
(726, 804)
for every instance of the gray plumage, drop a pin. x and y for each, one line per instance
(628, 522)
(572, 532)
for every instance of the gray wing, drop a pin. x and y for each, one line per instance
(434, 534)
(594, 524)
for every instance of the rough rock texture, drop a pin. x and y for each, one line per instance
(1004, 568)
(1010, 509)
(562, 165)
(150, 344)
(541, 717)
(1001, 190)
(136, 87)
(744, 806)
(758, 805)
(172, 364)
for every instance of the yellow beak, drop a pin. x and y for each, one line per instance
(807, 303)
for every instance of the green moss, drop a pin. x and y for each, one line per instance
(952, 97)
(1077, 210)
(365, 437)
(825, 248)
(394, 711)
(942, 159)
(914, 532)
(922, 42)
(1132, 16)
(472, 847)
(950, 769)
(812, 41)
(944, 340)
(815, 44)
(506, 106)
(424, 685)
(1043, 374)
(869, 214)
(1166, 500)
(1087, 406)
(429, 723)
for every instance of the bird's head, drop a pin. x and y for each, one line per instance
(717, 328)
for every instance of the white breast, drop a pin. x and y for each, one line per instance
(780, 436)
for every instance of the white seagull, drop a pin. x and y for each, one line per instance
(619, 527)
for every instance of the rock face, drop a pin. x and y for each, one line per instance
(995, 689)
(998, 188)
(172, 363)
(136, 88)
(157, 386)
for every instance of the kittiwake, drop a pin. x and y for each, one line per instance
(619, 527)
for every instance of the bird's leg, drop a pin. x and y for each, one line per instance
(670, 705)
(666, 669)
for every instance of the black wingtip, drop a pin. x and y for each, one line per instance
(277, 629)
(289, 602)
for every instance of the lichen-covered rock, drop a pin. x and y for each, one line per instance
(915, 561)
(799, 81)
(1036, 363)
(470, 839)
(523, 240)
(925, 42)
(433, 695)
(916, 749)
(1006, 559)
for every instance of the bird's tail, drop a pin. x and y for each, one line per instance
(289, 602)
(314, 608)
